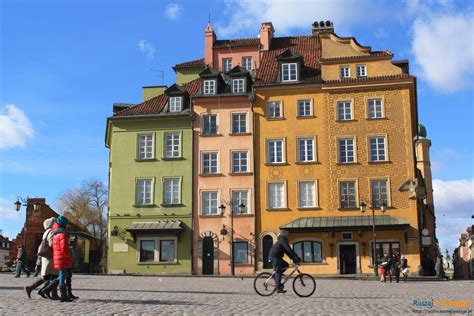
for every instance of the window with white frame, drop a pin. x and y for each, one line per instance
(240, 252)
(375, 108)
(345, 72)
(308, 251)
(240, 197)
(172, 144)
(247, 63)
(209, 203)
(238, 85)
(240, 161)
(361, 71)
(344, 110)
(306, 152)
(145, 146)
(276, 195)
(176, 104)
(209, 162)
(307, 194)
(305, 108)
(143, 191)
(209, 87)
(209, 124)
(347, 194)
(275, 151)
(239, 123)
(172, 188)
(289, 72)
(274, 109)
(377, 148)
(227, 64)
(156, 249)
(346, 150)
(379, 192)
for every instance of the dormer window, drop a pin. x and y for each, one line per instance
(361, 71)
(176, 104)
(345, 72)
(289, 72)
(227, 64)
(238, 85)
(209, 87)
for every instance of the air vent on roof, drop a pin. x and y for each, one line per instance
(323, 27)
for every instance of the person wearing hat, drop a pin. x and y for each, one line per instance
(62, 256)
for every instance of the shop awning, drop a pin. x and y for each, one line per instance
(158, 228)
(341, 223)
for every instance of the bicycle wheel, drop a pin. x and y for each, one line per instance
(264, 284)
(304, 285)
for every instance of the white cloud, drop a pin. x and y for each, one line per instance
(173, 11)
(443, 50)
(147, 48)
(7, 211)
(15, 127)
(381, 33)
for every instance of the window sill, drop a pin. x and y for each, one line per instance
(344, 121)
(172, 158)
(240, 173)
(172, 205)
(240, 134)
(307, 163)
(146, 160)
(211, 216)
(243, 215)
(154, 263)
(312, 208)
(347, 163)
(275, 118)
(379, 162)
(209, 135)
(144, 205)
(277, 209)
(303, 117)
(270, 164)
(376, 118)
(349, 209)
(210, 175)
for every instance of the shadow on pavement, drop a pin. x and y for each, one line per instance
(138, 302)
(156, 291)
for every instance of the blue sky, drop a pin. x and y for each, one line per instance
(63, 64)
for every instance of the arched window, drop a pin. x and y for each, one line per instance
(309, 251)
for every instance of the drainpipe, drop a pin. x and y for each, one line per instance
(192, 117)
(251, 99)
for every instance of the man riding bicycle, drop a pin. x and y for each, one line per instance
(278, 250)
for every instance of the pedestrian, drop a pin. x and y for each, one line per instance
(396, 267)
(439, 267)
(62, 256)
(404, 268)
(38, 266)
(21, 262)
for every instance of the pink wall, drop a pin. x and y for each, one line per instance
(236, 53)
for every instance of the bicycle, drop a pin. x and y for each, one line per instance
(304, 284)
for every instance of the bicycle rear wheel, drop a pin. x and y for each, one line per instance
(304, 285)
(264, 284)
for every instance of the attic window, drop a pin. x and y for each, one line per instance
(176, 104)
(209, 87)
(227, 64)
(345, 72)
(361, 71)
(289, 72)
(238, 85)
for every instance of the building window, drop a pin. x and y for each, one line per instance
(209, 124)
(347, 192)
(274, 109)
(240, 197)
(145, 146)
(344, 110)
(238, 85)
(305, 108)
(227, 64)
(172, 144)
(389, 248)
(157, 249)
(209, 163)
(209, 87)
(289, 72)
(240, 162)
(167, 250)
(375, 108)
(306, 150)
(176, 104)
(240, 252)
(247, 63)
(209, 203)
(276, 195)
(275, 151)
(379, 192)
(346, 236)
(307, 194)
(308, 251)
(147, 250)
(172, 192)
(239, 123)
(346, 150)
(345, 72)
(361, 71)
(143, 192)
(377, 148)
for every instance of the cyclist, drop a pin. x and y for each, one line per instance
(280, 248)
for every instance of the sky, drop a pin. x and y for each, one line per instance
(64, 63)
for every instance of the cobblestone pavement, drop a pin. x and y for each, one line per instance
(123, 295)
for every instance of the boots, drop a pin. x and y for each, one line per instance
(47, 291)
(62, 290)
(69, 289)
(54, 293)
(33, 286)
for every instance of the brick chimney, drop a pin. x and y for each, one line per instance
(322, 27)
(209, 39)
(266, 35)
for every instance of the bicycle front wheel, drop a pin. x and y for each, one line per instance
(264, 284)
(304, 285)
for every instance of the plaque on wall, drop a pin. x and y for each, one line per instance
(120, 247)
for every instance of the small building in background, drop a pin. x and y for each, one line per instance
(5, 246)
(463, 255)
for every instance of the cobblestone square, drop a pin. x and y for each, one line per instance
(123, 295)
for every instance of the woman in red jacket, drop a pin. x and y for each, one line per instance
(62, 256)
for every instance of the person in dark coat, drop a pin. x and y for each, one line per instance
(396, 267)
(62, 256)
(278, 250)
(21, 262)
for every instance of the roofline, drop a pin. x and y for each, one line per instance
(155, 86)
(141, 116)
(338, 60)
(343, 228)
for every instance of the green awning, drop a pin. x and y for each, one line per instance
(340, 223)
(161, 227)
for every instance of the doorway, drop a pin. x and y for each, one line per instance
(267, 244)
(207, 255)
(348, 259)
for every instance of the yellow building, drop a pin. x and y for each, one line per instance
(335, 125)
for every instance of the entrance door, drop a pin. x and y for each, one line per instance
(267, 244)
(348, 259)
(207, 255)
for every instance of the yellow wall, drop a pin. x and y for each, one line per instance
(373, 68)
(153, 91)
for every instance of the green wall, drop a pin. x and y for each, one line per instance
(186, 75)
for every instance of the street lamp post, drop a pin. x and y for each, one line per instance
(383, 207)
(241, 207)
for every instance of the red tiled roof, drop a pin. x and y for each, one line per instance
(237, 42)
(191, 64)
(155, 105)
